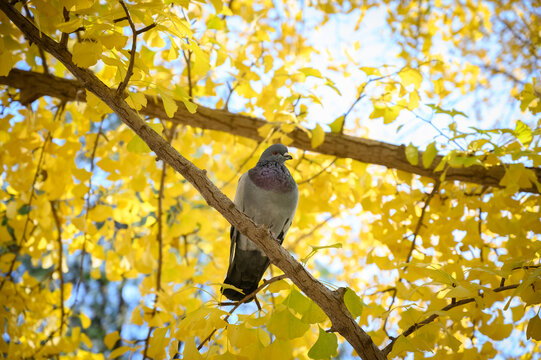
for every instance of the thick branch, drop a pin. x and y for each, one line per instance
(330, 301)
(34, 85)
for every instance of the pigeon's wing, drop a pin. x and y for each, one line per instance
(246, 266)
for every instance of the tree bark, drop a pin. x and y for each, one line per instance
(33, 85)
(331, 302)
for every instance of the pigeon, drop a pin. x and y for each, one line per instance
(268, 195)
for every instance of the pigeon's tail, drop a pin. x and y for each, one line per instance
(245, 272)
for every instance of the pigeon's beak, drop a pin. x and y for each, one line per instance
(287, 156)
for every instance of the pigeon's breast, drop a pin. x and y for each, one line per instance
(272, 178)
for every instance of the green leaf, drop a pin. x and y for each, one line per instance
(523, 133)
(338, 124)
(284, 325)
(429, 155)
(325, 347)
(278, 286)
(24, 210)
(412, 154)
(313, 314)
(451, 112)
(297, 301)
(353, 303)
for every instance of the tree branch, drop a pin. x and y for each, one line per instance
(345, 146)
(129, 72)
(433, 317)
(34, 85)
(330, 301)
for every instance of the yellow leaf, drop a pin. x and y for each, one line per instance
(7, 61)
(534, 328)
(119, 351)
(412, 154)
(414, 100)
(169, 104)
(429, 155)
(370, 70)
(190, 350)
(71, 26)
(111, 339)
(318, 136)
(459, 292)
(85, 321)
(411, 76)
(190, 106)
(497, 330)
(264, 130)
(136, 100)
(86, 53)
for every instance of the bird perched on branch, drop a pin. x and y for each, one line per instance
(268, 194)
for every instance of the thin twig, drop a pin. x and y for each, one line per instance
(146, 28)
(60, 261)
(433, 317)
(242, 301)
(314, 229)
(170, 135)
(65, 37)
(87, 205)
(129, 72)
(410, 253)
(241, 166)
(319, 173)
(435, 189)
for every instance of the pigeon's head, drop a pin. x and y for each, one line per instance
(276, 152)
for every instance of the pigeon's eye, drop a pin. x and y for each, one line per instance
(276, 152)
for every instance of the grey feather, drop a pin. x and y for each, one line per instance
(268, 194)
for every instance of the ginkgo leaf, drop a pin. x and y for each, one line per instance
(111, 339)
(325, 347)
(412, 154)
(533, 330)
(121, 350)
(523, 133)
(190, 350)
(338, 124)
(411, 77)
(429, 154)
(169, 104)
(284, 325)
(370, 70)
(353, 303)
(86, 53)
(318, 136)
(452, 112)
